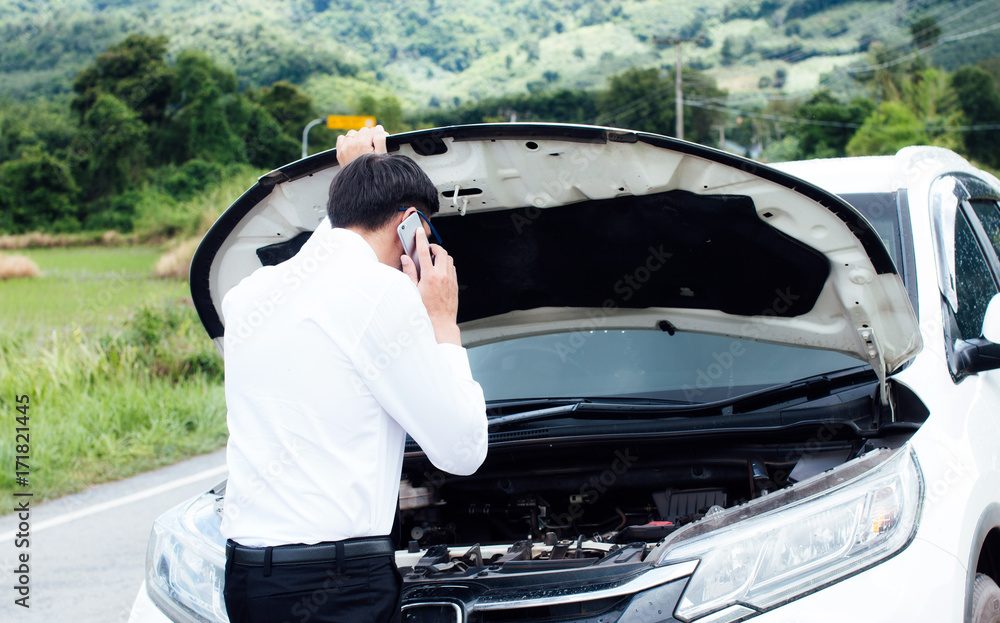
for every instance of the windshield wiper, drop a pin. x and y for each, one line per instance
(501, 406)
(537, 414)
(557, 406)
(810, 388)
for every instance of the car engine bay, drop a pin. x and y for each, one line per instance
(567, 505)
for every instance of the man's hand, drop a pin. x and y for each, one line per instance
(358, 142)
(438, 286)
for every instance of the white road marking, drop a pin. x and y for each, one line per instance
(128, 499)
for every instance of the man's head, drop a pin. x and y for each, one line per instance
(368, 192)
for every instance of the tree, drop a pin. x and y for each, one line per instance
(289, 106)
(37, 193)
(201, 128)
(780, 76)
(929, 96)
(643, 99)
(829, 125)
(728, 56)
(265, 144)
(979, 99)
(561, 106)
(992, 67)
(886, 81)
(135, 71)
(700, 124)
(887, 130)
(43, 124)
(290, 109)
(925, 32)
(387, 111)
(639, 99)
(110, 148)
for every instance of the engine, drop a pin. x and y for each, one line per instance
(563, 497)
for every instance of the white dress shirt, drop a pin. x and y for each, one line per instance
(330, 360)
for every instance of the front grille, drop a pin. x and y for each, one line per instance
(595, 611)
(439, 612)
(599, 593)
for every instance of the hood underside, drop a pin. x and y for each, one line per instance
(561, 228)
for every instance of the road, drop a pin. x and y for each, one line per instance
(88, 551)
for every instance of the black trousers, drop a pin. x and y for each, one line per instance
(365, 590)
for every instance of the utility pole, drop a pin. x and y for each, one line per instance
(722, 135)
(678, 93)
(678, 84)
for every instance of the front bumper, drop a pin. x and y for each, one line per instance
(144, 610)
(922, 583)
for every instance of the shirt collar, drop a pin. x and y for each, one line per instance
(339, 238)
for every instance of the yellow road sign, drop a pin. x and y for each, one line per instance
(349, 122)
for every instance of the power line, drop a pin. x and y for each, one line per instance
(714, 104)
(952, 17)
(836, 124)
(974, 32)
(653, 95)
(726, 106)
(799, 55)
(845, 71)
(770, 117)
(968, 128)
(940, 42)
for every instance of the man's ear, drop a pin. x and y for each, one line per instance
(404, 214)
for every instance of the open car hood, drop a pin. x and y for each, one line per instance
(563, 227)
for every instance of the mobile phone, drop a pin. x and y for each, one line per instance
(407, 231)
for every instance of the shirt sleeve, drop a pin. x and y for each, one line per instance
(425, 386)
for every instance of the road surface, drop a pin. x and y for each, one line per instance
(88, 551)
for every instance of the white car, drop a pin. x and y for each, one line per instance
(717, 390)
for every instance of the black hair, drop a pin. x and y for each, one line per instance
(369, 190)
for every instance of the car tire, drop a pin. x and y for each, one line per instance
(985, 600)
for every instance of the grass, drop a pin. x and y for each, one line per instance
(160, 217)
(120, 375)
(96, 288)
(86, 261)
(117, 368)
(103, 408)
(91, 288)
(42, 240)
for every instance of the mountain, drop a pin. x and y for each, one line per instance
(437, 53)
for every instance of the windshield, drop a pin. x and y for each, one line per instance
(687, 367)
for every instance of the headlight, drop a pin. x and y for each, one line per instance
(786, 544)
(186, 562)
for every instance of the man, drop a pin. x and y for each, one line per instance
(331, 358)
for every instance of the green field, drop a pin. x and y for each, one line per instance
(91, 288)
(119, 374)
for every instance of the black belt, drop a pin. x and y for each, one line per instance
(352, 549)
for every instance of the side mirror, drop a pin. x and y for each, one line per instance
(991, 322)
(982, 353)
